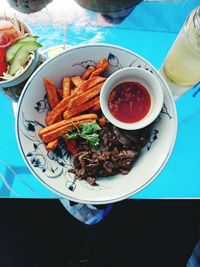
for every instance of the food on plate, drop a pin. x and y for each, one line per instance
(88, 131)
(100, 67)
(76, 120)
(87, 73)
(50, 136)
(118, 150)
(74, 110)
(52, 145)
(85, 96)
(66, 87)
(129, 102)
(56, 130)
(16, 47)
(76, 80)
(52, 94)
(62, 106)
(80, 118)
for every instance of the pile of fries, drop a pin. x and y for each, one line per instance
(75, 103)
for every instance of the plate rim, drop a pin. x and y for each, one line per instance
(133, 192)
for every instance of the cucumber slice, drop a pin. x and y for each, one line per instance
(28, 39)
(12, 51)
(22, 56)
(13, 48)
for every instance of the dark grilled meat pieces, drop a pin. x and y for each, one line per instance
(119, 148)
(112, 137)
(89, 164)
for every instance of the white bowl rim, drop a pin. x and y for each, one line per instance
(135, 72)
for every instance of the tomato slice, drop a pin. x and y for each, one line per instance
(8, 36)
(2, 54)
(3, 67)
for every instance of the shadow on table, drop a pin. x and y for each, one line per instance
(35, 233)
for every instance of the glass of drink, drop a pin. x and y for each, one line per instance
(181, 68)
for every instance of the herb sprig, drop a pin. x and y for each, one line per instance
(89, 131)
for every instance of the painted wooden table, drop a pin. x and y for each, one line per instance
(149, 30)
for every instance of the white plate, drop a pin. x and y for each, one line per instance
(52, 168)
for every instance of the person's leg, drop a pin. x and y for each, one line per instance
(86, 213)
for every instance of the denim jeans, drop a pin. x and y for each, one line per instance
(194, 260)
(88, 214)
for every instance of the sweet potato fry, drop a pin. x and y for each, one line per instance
(55, 117)
(84, 97)
(59, 124)
(100, 67)
(87, 73)
(58, 110)
(60, 92)
(96, 107)
(53, 135)
(66, 87)
(51, 92)
(52, 145)
(75, 110)
(63, 104)
(101, 62)
(86, 85)
(77, 81)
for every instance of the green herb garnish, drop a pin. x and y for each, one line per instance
(88, 131)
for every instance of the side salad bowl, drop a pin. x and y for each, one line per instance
(52, 167)
(19, 51)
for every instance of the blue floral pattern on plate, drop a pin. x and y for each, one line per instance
(54, 165)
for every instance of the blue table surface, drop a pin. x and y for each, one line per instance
(149, 30)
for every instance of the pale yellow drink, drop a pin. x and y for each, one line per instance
(182, 64)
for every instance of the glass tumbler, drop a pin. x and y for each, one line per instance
(181, 68)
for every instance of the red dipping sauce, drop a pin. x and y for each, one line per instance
(129, 102)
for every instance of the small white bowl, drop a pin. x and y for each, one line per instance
(145, 78)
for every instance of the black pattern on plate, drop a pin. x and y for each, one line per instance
(57, 162)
